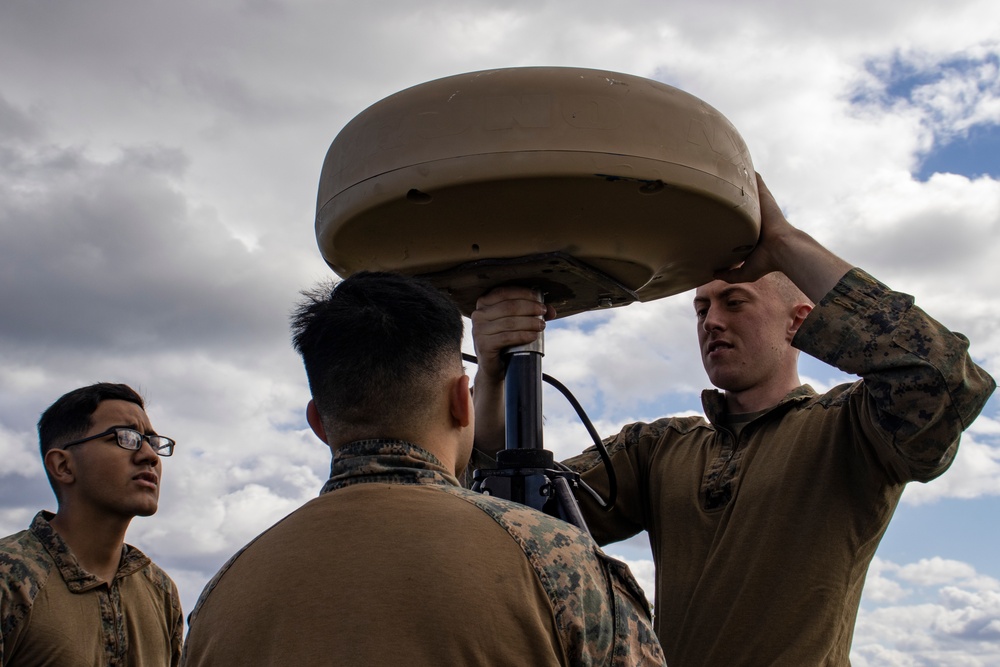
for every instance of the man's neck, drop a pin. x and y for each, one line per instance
(757, 399)
(96, 542)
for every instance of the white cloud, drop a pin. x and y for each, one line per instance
(935, 571)
(951, 625)
(19, 454)
(974, 473)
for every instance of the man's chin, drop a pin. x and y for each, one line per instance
(720, 379)
(146, 510)
(726, 382)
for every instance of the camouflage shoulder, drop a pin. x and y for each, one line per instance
(22, 556)
(635, 639)
(538, 530)
(567, 564)
(25, 567)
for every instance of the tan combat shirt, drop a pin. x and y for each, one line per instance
(53, 613)
(762, 541)
(396, 564)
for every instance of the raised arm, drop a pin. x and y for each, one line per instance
(504, 317)
(921, 382)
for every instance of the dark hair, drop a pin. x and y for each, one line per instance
(373, 346)
(70, 416)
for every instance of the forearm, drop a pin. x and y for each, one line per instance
(628, 451)
(814, 269)
(917, 374)
(488, 396)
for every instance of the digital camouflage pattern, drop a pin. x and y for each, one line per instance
(763, 535)
(608, 627)
(925, 388)
(117, 633)
(598, 610)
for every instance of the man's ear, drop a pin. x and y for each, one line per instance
(312, 416)
(460, 401)
(59, 464)
(799, 316)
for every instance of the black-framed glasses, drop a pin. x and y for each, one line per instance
(130, 439)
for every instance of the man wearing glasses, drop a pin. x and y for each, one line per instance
(71, 591)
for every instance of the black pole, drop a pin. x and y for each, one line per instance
(523, 398)
(523, 453)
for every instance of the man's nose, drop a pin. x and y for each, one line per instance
(713, 320)
(146, 453)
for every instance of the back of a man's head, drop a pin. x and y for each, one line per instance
(374, 347)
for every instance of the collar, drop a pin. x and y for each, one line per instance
(386, 461)
(77, 579)
(713, 402)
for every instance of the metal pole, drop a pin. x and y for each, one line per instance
(523, 397)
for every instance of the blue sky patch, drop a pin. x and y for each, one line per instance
(970, 151)
(976, 154)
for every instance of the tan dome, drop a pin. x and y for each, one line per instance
(597, 187)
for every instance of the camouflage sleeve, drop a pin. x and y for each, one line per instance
(23, 570)
(635, 639)
(629, 452)
(600, 612)
(920, 388)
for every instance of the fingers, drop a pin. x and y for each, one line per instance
(765, 257)
(770, 212)
(498, 295)
(505, 317)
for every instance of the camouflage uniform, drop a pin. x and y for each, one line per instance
(52, 612)
(395, 563)
(762, 536)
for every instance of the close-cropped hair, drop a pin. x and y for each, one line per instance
(70, 416)
(786, 290)
(375, 346)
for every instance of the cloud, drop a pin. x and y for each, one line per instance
(974, 473)
(115, 255)
(952, 91)
(18, 453)
(935, 571)
(952, 619)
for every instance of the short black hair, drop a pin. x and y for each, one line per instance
(71, 415)
(374, 345)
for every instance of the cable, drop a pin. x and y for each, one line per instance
(608, 505)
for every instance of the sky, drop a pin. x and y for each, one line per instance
(159, 165)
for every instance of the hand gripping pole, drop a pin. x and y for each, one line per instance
(525, 471)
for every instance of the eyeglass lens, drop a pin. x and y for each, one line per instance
(130, 439)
